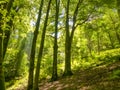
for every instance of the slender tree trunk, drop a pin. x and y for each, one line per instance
(116, 29)
(32, 56)
(118, 10)
(117, 35)
(4, 38)
(98, 42)
(111, 41)
(89, 45)
(19, 57)
(54, 73)
(36, 87)
(2, 81)
(2, 78)
(7, 32)
(118, 7)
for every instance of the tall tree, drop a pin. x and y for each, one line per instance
(10, 24)
(36, 87)
(4, 38)
(32, 56)
(118, 7)
(118, 10)
(67, 52)
(69, 37)
(54, 72)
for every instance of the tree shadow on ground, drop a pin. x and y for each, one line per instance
(97, 78)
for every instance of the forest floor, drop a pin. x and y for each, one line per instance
(100, 77)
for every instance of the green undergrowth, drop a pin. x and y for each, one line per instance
(102, 77)
(109, 55)
(115, 75)
(100, 70)
(105, 57)
(17, 83)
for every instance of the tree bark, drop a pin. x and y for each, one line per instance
(55, 51)
(32, 56)
(36, 87)
(118, 7)
(69, 38)
(117, 35)
(89, 45)
(7, 32)
(118, 10)
(98, 42)
(4, 38)
(67, 70)
(2, 78)
(111, 41)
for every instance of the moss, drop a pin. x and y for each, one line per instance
(2, 79)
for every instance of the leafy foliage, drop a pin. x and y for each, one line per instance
(94, 25)
(110, 55)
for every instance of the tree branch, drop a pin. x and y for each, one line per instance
(78, 24)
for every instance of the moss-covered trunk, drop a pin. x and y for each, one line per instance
(67, 70)
(118, 7)
(2, 78)
(55, 49)
(4, 38)
(69, 37)
(32, 55)
(36, 87)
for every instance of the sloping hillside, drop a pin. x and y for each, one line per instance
(101, 77)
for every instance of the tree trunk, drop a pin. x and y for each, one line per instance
(32, 56)
(117, 35)
(67, 70)
(111, 41)
(116, 29)
(118, 7)
(54, 72)
(4, 38)
(89, 45)
(36, 87)
(69, 38)
(2, 78)
(118, 10)
(10, 23)
(19, 57)
(98, 42)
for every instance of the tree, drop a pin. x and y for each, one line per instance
(54, 72)
(118, 7)
(4, 38)
(118, 11)
(69, 37)
(36, 87)
(32, 56)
